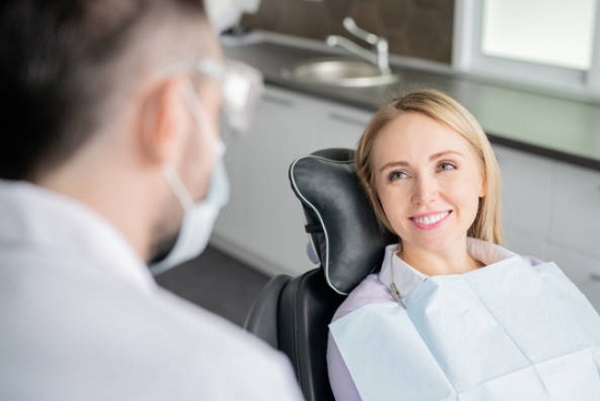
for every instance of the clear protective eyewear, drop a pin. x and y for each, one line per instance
(242, 87)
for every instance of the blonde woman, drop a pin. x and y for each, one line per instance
(452, 315)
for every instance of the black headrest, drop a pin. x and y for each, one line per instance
(342, 225)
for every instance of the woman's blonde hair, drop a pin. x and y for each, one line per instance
(445, 110)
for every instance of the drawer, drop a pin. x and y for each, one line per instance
(581, 269)
(591, 290)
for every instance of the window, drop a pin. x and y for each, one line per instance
(554, 43)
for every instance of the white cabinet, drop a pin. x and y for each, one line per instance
(263, 224)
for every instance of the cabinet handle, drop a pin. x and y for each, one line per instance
(347, 120)
(280, 101)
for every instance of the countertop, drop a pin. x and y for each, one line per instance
(554, 126)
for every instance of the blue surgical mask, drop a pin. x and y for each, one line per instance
(199, 218)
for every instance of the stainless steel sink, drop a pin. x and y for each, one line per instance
(335, 72)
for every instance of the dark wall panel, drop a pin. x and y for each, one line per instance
(417, 28)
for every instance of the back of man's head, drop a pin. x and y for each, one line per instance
(67, 65)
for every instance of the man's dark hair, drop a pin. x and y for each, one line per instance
(52, 54)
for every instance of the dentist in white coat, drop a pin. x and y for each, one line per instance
(111, 159)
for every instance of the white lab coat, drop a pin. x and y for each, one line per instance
(82, 319)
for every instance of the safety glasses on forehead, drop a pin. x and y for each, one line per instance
(242, 87)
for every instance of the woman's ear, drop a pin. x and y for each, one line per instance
(483, 190)
(160, 122)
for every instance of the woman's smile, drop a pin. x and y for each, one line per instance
(430, 221)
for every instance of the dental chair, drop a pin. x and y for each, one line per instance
(292, 313)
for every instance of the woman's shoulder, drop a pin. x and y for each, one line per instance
(490, 253)
(371, 290)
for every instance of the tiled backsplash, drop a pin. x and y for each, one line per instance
(417, 28)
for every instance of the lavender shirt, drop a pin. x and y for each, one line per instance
(376, 289)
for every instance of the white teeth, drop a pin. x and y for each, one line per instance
(431, 219)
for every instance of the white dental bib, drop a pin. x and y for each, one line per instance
(508, 331)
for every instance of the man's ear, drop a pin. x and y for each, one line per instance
(160, 128)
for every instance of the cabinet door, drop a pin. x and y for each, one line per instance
(580, 268)
(576, 210)
(527, 189)
(287, 131)
(263, 223)
(341, 127)
(233, 223)
(591, 289)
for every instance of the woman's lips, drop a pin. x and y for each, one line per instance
(430, 221)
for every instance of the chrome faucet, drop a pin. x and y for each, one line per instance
(381, 56)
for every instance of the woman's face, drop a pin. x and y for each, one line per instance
(429, 181)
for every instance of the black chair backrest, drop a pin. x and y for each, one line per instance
(293, 314)
(344, 230)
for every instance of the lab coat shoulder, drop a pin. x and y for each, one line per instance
(248, 368)
(78, 334)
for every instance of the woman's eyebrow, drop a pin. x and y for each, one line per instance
(445, 153)
(393, 164)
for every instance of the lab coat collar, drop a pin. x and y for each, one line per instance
(407, 278)
(40, 222)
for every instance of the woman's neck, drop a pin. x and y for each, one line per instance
(451, 261)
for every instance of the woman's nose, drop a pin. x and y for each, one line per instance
(425, 190)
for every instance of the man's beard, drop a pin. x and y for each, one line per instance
(165, 234)
(162, 248)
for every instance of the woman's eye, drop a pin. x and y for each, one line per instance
(446, 166)
(397, 175)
